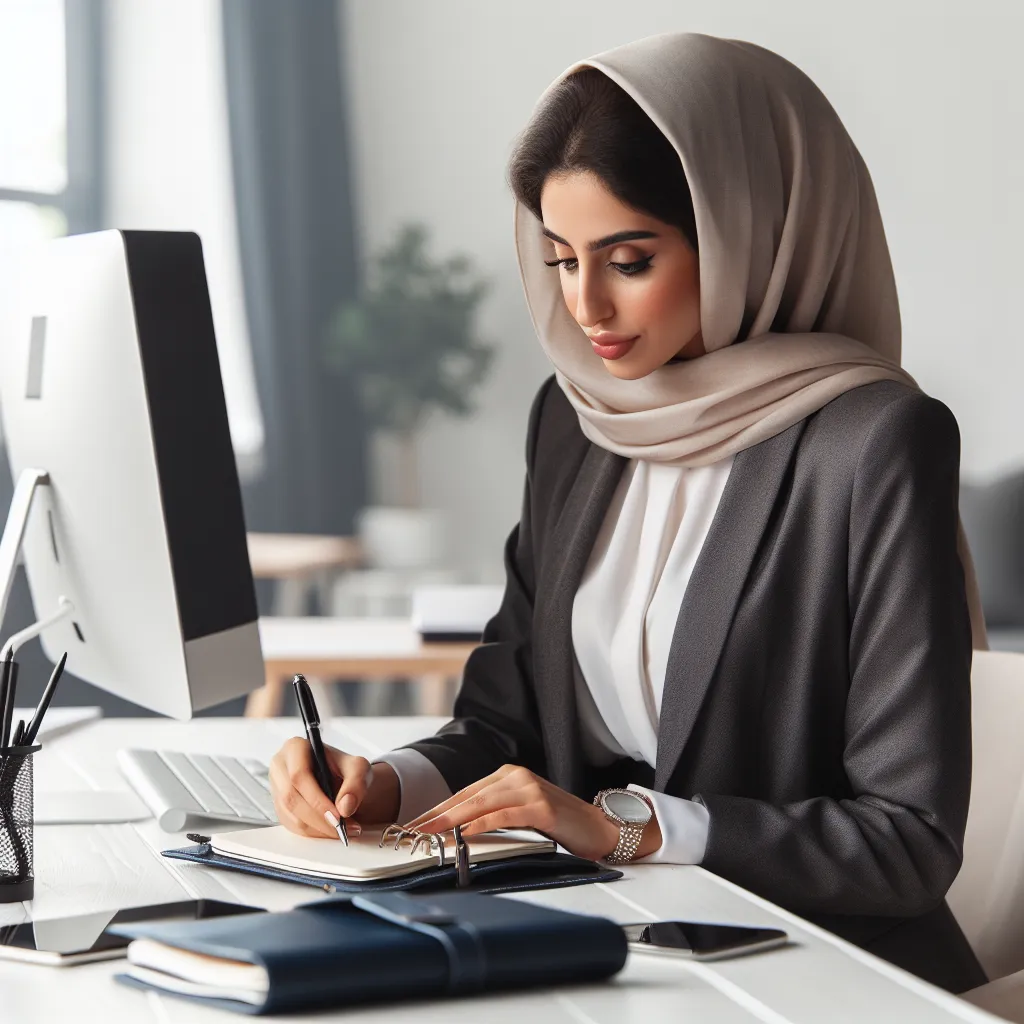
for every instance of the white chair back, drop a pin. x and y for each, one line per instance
(987, 897)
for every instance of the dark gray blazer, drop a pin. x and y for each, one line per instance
(817, 697)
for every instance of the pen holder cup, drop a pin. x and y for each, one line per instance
(17, 881)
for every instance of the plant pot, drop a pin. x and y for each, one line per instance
(394, 472)
(401, 538)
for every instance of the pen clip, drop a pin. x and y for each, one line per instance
(304, 699)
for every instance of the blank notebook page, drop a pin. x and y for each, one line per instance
(362, 859)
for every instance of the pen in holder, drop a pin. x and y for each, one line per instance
(17, 881)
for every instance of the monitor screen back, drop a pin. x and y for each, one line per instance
(110, 381)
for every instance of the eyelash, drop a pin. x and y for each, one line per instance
(626, 269)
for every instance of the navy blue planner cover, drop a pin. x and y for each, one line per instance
(396, 947)
(513, 874)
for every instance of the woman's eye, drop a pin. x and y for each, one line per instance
(569, 262)
(636, 267)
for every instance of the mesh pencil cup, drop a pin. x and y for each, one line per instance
(17, 881)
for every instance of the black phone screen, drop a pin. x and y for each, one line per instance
(700, 939)
(87, 934)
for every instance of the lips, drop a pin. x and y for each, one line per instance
(613, 348)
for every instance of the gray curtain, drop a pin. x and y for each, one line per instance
(289, 150)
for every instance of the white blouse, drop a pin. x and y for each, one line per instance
(623, 618)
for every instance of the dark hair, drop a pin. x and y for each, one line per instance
(588, 123)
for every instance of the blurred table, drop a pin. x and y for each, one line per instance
(301, 563)
(353, 648)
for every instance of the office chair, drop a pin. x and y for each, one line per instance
(987, 896)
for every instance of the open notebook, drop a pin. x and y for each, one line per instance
(364, 860)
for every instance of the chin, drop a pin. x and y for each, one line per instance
(626, 369)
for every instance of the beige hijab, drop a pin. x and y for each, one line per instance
(793, 263)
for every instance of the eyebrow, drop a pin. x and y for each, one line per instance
(603, 243)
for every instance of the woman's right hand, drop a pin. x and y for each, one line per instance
(302, 806)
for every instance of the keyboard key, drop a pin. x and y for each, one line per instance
(252, 789)
(242, 807)
(212, 795)
(160, 787)
(206, 796)
(253, 766)
(258, 770)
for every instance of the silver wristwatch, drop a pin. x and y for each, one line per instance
(631, 812)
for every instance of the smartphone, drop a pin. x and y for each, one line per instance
(699, 941)
(65, 941)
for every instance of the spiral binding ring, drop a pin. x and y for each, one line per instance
(433, 840)
(396, 832)
(430, 841)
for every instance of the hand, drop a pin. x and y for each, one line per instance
(301, 804)
(513, 797)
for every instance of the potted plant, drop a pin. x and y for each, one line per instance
(409, 342)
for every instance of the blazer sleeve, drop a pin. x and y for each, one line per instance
(895, 846)
(495, 715)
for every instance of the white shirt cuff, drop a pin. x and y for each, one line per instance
(421, 785)
(684, 829)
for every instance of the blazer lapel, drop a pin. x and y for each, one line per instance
(714, 589)
(569, 547)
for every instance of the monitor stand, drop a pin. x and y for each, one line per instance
(28, 483)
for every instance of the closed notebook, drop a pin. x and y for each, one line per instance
(498, 861)
(371, 948)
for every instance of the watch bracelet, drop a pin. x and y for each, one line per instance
(630, 835)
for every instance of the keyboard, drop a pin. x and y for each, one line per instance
(190, 789)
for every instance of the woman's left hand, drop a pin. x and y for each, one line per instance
(513, 797)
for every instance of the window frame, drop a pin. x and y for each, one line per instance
(81, 201)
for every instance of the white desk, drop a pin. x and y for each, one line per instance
(79, 868)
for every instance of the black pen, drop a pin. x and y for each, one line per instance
(8, 686)
(44, 702)
(311, 721)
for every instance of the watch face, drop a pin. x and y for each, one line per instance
(627, 806)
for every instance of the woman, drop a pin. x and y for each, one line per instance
(738, 594)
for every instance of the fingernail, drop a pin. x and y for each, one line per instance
(347, 805)
(354, 828)
(331, 819)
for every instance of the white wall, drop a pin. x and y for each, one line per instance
(931, 92)
(168, 161)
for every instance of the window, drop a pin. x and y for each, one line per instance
(54, 125)
(49, 120)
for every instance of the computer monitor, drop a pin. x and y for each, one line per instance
(111, 398)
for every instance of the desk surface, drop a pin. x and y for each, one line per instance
(81, 868)
(377, 648)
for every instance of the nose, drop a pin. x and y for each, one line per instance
(593, 303)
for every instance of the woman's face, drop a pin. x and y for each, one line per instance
(631, 281)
